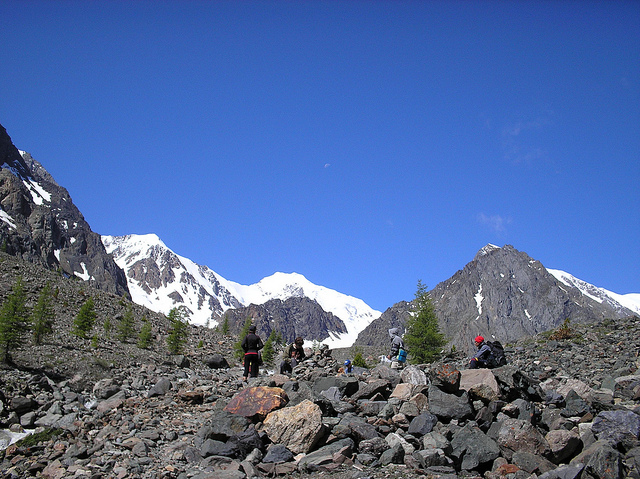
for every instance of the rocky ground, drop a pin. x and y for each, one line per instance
(565, 407)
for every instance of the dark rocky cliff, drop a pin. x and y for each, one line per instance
(41, 224)
(293, 317)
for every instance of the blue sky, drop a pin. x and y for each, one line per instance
(365, 145)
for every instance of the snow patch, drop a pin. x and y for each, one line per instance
(38, 193)
(85, 274)
(6, 217)
(478, 297)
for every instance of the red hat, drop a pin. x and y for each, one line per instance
(479, 339)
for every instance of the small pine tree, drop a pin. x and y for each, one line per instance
(86, 318)
(423, 338)
(43, 316)
(14, 320)
(126, 326)
(107, 327)
(225, 325)
(358, 360)
(145, 337)
(237, 347)
(178, 330)
(268, 351)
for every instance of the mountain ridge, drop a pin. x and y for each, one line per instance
(155, 271)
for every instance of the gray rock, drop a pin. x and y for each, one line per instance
(422, 424)
(161, 388)
(277, 453)
(472, 448)
(216, 361)
(449, 406)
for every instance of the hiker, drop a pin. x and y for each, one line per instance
(481, 358)
(348, 367)
(293, 354)
(396, 344)
(251, 344)
(397, 355)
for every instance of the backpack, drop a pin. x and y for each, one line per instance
(497, 357)
(402, 356)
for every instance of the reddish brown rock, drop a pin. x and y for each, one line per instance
(256, 402)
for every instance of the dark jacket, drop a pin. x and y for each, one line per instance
(252, 343)
(294, 349)
(483, 353)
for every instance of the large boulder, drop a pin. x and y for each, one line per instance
(473, 448)
(519, 435)
(299, 428)
(620, 428)
(449, 406)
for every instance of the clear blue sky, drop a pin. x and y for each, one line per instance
(365, 145)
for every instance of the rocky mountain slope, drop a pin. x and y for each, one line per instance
(40, 223)
(502, 294)
(567, 406)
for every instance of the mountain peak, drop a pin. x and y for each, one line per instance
(485, 250)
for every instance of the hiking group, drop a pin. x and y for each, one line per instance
(490, 354)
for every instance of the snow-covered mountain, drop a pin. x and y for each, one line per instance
(160, 279)
(630, 301)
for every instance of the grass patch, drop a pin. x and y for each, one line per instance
(42, 436)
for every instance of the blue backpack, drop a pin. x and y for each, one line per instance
(402, 356)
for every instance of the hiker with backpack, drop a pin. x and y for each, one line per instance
(489, 354)
(398, 354)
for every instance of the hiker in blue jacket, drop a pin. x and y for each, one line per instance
(481, 358)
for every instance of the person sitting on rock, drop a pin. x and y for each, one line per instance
(348, 367)
(481, 358)
(293, 354)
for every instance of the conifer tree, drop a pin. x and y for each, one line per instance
(126, 325)
(86, 318)
(268, 351)
(14, 320)
(225, 325)
(43, 316)
(423, 338)
(237, 347)
(178, 330)
(107, 327)
(145, 337)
